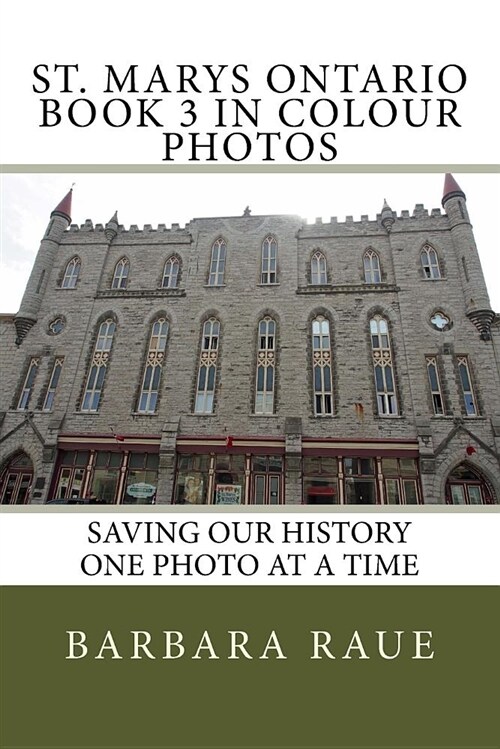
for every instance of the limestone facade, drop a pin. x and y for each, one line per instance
(351, 438)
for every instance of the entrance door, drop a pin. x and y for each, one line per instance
(15, 482)
(466, 486)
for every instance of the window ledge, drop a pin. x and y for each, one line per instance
(144, 413)
(215, 285)
(200, 415)
(442, 278)
(113, 293)
(263, 416)
(266, 285)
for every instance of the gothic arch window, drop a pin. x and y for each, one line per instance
(28, 385)
(151, 379)
(98, 366)
(120, 275)
(383, 368)
(269, 261)
(430, 263)
(217, 263)
(467, 388)
(322, 366)
(266, 363)
(465, 485)
(318, 269)
(170, 279)
(16, 480)
(207, 367)
(371, 266)
(55, 375)
(71, 273)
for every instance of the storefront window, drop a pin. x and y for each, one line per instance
(192, 479)
(360, 484)
(320, 481)
(141, 479)
(400, 478)
(229, 488)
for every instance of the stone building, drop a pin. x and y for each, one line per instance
(254, 359)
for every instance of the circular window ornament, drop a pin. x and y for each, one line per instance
(440, 321)
(57, 326)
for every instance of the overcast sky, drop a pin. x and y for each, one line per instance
(28, 199)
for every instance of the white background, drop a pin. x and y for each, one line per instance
(451, 548)
(259, 34)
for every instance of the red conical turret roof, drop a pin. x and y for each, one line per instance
(451, 188)
(64, 207)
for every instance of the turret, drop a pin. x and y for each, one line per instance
(477, 303)
(111, 228)
(27, 316)
(387, 218)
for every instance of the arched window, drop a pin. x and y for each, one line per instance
(430, 262)
(150, 388)
(387, 404)
(98, 366)
(28, 385)
(170, 278)
(469, 399)
(322, 367)
(466, 486)
(217, 263)
(55, 376)
(207, 369)
(269, 262)
(16, 479)
(371, 264)
(71, 273)
(120, 276)
(318, 269)
(266, 361)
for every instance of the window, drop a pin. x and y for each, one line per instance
(56, 326)
(97, 373)
(371, 264)
(120, 276)
(71, 476)
(440, 321)
(318, 269)
(52, 387)
(269, 272)
(141, 479)
(16, 480)
(430, 263)
(71, 273)
(229, 480)
(150, 388)
(107, 477)
(401, 484)
(387, 404)
(205, 387)
(435, 385)
(321, 481)
(360, 484)
(192, 478)
(465, 485)
(170, 278)
(29, 384)
(466, 385)
(322, 367)
(217, 263)
(266, 358)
